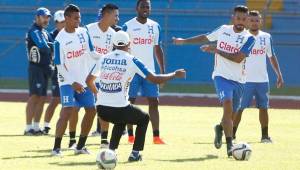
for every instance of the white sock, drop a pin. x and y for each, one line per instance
(46, 124)
(28, 127)
(36, 126)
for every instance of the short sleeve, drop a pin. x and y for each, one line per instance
(158, 35)
(139, 68)
(213, 36)
(270, 49)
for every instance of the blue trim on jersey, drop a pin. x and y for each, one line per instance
(272, 49)
(90, 41)
(57, 53)
(38, 39)
(141, 66)
(124, 27)
(92, 69)
(159, 32)
(247, 47)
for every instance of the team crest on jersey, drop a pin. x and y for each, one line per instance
(81, 38)
(240, 39)
(262, 40)
(108, 38)
(150, 29)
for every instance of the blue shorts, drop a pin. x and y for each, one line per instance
(229, 90)
(258, 90)
(70, 98)
(147, 89)
(38, 80)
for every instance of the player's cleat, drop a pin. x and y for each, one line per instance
(56, 152)
(133, 158)
(72, 144)
(38, 132)
(81, 151)
(158, 140)
(229, 152)
(266, 140)
(104, 144)
(29, 132)
(218, 136)
(96, 133)
(46, 130)
(131, 139)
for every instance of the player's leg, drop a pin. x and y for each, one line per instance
(86, 100)
(249, 90)
(68, 103)
(262, 101)
(135, 86)
(31, 102)
(104, 133)
(97, 132)
(72, 128)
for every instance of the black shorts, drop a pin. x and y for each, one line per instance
(38, 80)
(54, 84)
(122, 115)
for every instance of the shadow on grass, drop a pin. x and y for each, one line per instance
(73, 163)
(27, 157)
(203, 143)
(207, 157)
(12, 135)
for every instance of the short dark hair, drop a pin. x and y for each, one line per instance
(70, 9)
(254, 13)
(108, 8)
(241, 8)
(139, 1)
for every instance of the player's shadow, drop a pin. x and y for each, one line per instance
(203, 143)
(12, 135)
(26, 157)
(73, 163)
(207, 157)
(43, 150)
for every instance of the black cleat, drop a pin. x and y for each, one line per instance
(38, 133)
(46, 130)
(229, 151)
(133, 158)
(218, 136)
(29, 133)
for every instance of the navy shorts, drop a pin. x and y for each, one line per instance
(229, 90)
(70, 98)
(147, 89)
(260, 91)
(38, 80)
(54, 84)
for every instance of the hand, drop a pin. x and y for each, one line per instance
(280, 82)
(180, 73)
(208, 48)
(178, 41)
(78, 87)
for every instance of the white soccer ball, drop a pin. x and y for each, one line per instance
(241, 151)
(106, 159)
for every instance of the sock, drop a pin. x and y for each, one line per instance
(72, 136)
(156, 133)
(264, 132)
(221, 126)
(28, 127)
(36, 126)
(57, 143)
(234, 131)
(130, 132)
(104, 135)
(229, 142)
(81, 142)
(98, 126)
(46, 124)
(135, 153)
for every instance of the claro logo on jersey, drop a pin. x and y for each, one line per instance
(75, 53)
(110, 87)
(101, 50)
(258, 51)
(143, 41)
(227, 47)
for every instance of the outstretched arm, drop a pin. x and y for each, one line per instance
(192, 40)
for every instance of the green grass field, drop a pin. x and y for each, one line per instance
(188, 131)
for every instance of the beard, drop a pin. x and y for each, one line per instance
(239, 27)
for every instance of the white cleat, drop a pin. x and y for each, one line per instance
(266, 140)
(73, 147)
(81, 151)
(104, 146)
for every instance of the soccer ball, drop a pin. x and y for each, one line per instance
(106, 159)
(241, 151)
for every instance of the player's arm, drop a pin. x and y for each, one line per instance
(90, 80)
(192, 40)
(143, 71)
(159, 51)
(275, 64)
(93, 53)
(39, 39)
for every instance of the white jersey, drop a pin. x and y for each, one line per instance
(102, 41)
(143, 38)
(72, 51)
(256, 64)
(115, 71)
(230, 42)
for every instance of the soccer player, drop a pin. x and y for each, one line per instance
(59, 20)
(72, 48)
(101, 35)
(39, 70)
(145, 40)
(257, 81)
(115, 71)
(234, 44)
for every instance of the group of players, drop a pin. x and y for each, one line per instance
(102, 68)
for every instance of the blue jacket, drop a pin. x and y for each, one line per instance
(39, 46)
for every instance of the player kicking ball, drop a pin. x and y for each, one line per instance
(115, 71)
(234, 44)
